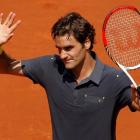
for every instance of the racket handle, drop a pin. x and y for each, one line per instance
(138, 90)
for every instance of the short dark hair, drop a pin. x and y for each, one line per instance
(74, 24)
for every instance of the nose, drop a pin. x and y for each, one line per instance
(62, 54)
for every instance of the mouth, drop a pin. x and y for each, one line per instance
(68, 61)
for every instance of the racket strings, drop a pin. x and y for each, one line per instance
(123, 37)
(128, 58)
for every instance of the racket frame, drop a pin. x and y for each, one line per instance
(108, 16)
(123, 68)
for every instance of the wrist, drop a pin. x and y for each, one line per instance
(1, 50)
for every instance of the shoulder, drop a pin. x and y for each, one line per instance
(42, 60)
(116, 76)
(41, 68)
(42, 64)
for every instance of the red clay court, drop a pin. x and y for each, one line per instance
(24, 112)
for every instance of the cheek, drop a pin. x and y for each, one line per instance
(77, 52)
(80, 54)
(74, 54)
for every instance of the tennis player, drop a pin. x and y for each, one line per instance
(84, 95)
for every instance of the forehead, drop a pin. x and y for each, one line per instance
(65, 40)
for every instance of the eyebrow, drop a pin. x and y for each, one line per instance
(64, 46)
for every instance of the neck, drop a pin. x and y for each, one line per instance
(85, 69)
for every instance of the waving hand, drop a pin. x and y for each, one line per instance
(7, 27)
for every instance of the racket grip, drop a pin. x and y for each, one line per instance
(138, 90)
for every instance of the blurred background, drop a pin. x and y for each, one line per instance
(24, 111)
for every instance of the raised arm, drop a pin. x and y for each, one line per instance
(7, 27)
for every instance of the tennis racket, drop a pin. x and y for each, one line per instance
(121, 38)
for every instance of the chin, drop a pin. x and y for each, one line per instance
(69, 66)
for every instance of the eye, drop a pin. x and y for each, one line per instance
(68, 48)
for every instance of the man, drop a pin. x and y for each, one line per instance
(84, 95)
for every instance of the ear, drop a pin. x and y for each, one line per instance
(87, 44)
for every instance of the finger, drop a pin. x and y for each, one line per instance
(133, 89)
(10, 36)
(138, 103)
(1, 15)
(11, 19)
(14, 26)
(8, 18)
(133, 92)
(132, 86)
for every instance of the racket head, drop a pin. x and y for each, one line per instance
(121, 35)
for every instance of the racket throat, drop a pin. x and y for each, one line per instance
(129, 76)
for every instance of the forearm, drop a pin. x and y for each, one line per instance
(7, 27)
(5, 62)
(10, 65)
(1, 50)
